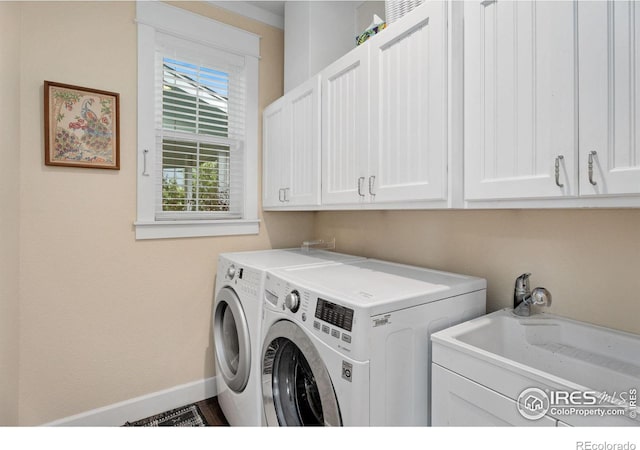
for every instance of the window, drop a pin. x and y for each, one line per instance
(199, 134)
(197, 125)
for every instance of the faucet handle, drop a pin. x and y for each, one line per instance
(541, 296)
(522, 283)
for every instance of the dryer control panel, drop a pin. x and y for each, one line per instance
(243, 279)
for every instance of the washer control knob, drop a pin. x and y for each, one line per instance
(292, 300)
(231, 272)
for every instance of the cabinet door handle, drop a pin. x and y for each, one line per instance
(360, 181)
(558, 159)
(280, 194)
(372, 180)
(590, 167)
(286, 192)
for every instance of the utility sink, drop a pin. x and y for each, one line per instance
(510, 353)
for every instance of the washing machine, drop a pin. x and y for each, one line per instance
(237, 315)
(349, 344)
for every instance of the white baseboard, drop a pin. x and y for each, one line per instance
(141, 407)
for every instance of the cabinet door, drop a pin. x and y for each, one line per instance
(275, 154)
(345, 128)
(458, 401)
(409, 107)
(303, 185)
(520, 102)
(609, 99)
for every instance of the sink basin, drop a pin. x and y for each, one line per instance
(598, 358)
(543, 350)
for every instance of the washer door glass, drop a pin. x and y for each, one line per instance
(297, 388)
(231, 340)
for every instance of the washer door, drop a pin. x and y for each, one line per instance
(231, 340)
(296, 385)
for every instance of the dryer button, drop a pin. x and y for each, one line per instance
(346, 338)
(325, 329)
(316, 325)
(335, 334)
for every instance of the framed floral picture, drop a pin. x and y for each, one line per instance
(82, 127)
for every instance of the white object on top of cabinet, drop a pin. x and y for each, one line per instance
(292, 148)
(520, 100)
(609, 57)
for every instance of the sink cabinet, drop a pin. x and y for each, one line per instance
(458, 401)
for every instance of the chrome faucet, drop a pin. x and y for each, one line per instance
(523, 298)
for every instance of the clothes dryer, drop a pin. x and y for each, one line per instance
(237, 316)
(349, 344)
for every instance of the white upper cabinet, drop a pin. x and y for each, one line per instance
(609, 99)
(304, 177)
(384, 115)
(408, 148)
(520, 105)
(345, 128)
(291, 175)
(275, 153)
(475, 104)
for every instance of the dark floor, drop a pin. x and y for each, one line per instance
(212, 413)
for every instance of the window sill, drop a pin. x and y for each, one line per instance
(195, 228)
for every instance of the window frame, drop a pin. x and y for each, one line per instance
(156, 17)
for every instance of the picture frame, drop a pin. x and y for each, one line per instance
(81, 127)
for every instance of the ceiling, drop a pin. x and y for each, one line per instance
(269, 12)
(275, 7)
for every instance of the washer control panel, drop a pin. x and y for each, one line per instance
(334, 314)
(333, 323)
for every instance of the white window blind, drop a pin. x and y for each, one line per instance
(200, 131)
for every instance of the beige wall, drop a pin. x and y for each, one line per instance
(365, 12)
(588, 259)
(103, 317)
(9, 199)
